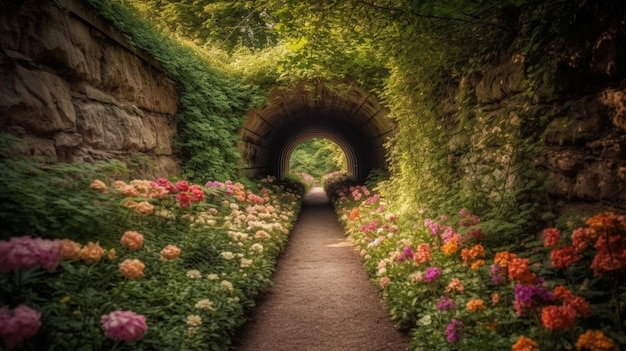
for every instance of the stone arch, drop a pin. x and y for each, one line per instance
(350, 117)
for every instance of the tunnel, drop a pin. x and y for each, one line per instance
(350, 117)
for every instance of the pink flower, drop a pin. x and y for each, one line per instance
(26, 253)
(123, 325)
(18, 325)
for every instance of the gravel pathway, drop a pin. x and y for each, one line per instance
(321, 298)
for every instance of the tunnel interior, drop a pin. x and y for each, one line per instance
(349, 117)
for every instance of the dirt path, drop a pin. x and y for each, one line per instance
(321, 298)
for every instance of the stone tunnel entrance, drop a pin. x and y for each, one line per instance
(353, 119)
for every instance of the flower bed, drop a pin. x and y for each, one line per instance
(565, 291)
(177, 268)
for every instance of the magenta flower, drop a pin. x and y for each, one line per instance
(123, 325)
(18, 325)
(431, 274)
(527, 297)
(27, 252)
(445, 304)
(454, 331)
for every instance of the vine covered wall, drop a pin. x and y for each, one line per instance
(522, 129)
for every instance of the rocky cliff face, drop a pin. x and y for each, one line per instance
(77, 95)
(580, 114)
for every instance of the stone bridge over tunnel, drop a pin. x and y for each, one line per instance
(351, 118)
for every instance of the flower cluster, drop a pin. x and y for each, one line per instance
(27, 253)
(537, 290)
(18, 324)
(124, 325)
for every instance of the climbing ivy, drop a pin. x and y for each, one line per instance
(212, 104)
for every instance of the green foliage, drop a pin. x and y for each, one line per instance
(223, 262)
(317, 157)
(227, 24)
(52, 199)
(212, 104)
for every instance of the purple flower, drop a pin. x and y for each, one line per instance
(495, 274)
(526, 294)
(453, 331)
(432, 274)
(445, 304)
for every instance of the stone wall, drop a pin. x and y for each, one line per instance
(581, 110)
(76, 91)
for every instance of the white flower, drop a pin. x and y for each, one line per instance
(245, 262)
(194, 320)
(194, 274)
(258, 248)
(204, 304)
(212, 276)
(227, 255)
(426, 320)
(226, 285)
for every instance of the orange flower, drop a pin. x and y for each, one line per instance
(525, 344)
(450, 248)
(384, 281)
(502, 258)
(354, 214)
(558, 317)
(132, 269)
(519, 270)
(606, 222)
(132, 240)
(455, 285)
(477, 264)
(170, 252)
(473, 253)
(129, 190)
(70, 250)
(130, 204)
(422, 254)
(551, 237)
(474, 305)
(495, 298)
(595, 340)
(99, 186)
(144, 208)
(91, 253)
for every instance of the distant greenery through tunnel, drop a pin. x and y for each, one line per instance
(316, 157)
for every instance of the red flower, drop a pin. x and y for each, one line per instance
(564, 257)
(551, 237)
(558, 317)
